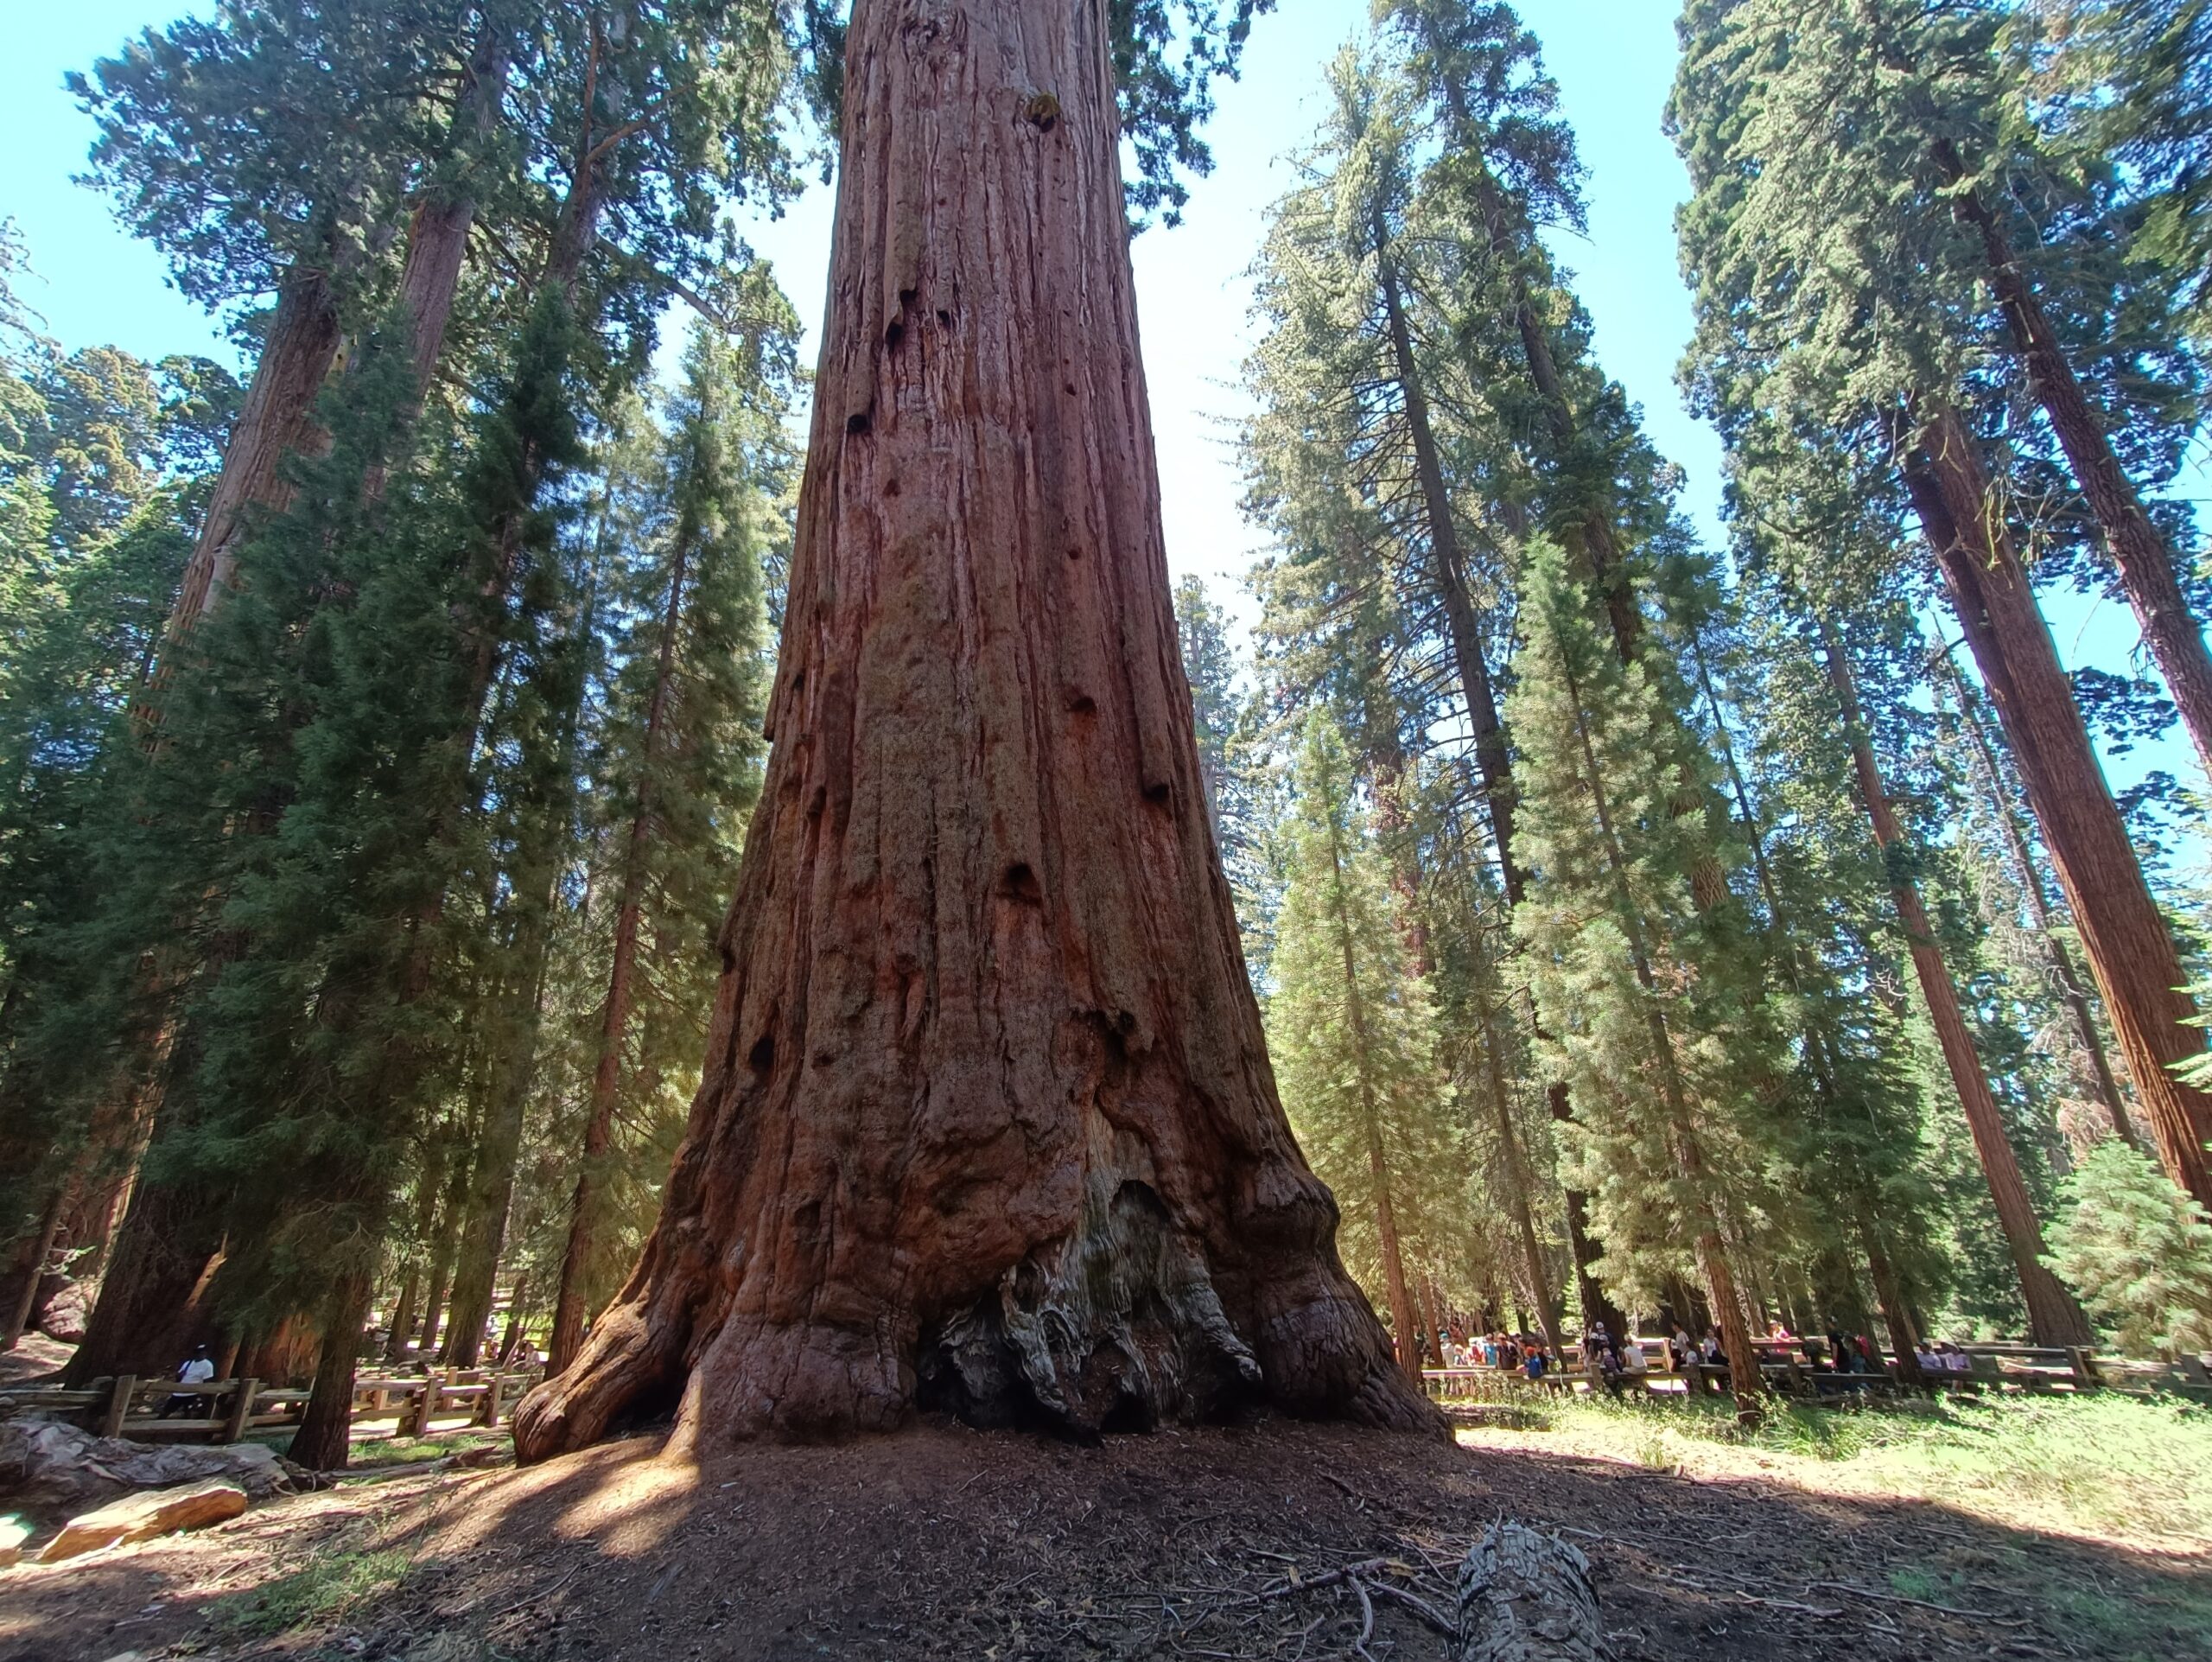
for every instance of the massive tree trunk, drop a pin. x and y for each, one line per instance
(1990, 776)
(2053, 1316)
(2131, 950)
(2139, 551)
(277, 419)
(986, 1120)
(153, 1306)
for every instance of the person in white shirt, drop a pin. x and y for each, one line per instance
(196, 1369)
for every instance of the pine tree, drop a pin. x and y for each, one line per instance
(1651, 1026)
(2139, 1249)
(678, 779)
(1351, 1032)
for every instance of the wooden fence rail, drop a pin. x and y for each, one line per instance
(1995, 1367)
(224, 1410)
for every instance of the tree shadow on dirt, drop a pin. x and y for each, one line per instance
(1223, 1542)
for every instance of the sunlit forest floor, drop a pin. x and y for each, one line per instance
(2068, 1529)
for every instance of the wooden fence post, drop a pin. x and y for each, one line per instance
(426, 1404)
(118, 1405)
(494, 1388)
(241, 1414)
(2084, 1363)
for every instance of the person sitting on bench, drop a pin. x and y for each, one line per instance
(197, 1369)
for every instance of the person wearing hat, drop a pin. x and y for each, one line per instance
(196, 1369)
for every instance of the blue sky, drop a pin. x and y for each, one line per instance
(1613, 59)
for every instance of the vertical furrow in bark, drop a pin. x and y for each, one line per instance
(987, 1121)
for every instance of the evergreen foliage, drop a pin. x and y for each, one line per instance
(1351, 1030)
(2139, 1249)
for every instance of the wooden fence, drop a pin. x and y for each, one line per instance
(224, 1410)
(1996, 1367)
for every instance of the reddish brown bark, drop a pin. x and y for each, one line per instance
(986, 1120)
(277, 419)
(2087, 1041)
(324, 1440)
(2130, 951)
(2139, 553)
(437, 241)
(2053, 1316)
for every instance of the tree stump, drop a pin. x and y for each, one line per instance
(1527, 1597)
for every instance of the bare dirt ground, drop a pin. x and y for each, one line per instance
(945, 1543)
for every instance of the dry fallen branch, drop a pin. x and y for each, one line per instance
(1922, 1604)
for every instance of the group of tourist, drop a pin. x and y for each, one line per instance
(1943, 1357)
(1617, 1359)
(1508, 1353)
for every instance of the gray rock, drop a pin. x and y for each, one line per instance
(49, 1467)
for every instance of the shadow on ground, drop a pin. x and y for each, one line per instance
(946, 1542)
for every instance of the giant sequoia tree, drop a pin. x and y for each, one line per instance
(987, 1121)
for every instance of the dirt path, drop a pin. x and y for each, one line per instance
(944, 1543)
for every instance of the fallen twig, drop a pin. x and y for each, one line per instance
(1924, 1604)
(1426, 1611)
(534, 1597)
(1366, 1616)
(1326, 1578)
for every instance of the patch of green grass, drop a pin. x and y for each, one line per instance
(2112, 1463)
(1911, 1582)
(2159, 1628)
(369, 1453)
(323, 1590)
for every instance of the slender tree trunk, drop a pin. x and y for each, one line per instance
(1432, 1342)
(2131, 950)
(1989, 775)
(2053, 1316)
(614, 1018)
(324, 1440)
(2139, 553)
(403, 1315)
(446, 1245)
(985, 1065)
(1492, 756)
(1521, 1185)
(1746, 1382)
(41, 1248)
